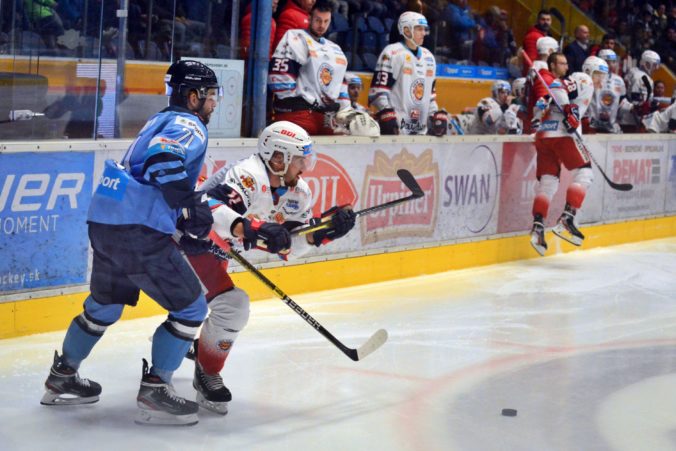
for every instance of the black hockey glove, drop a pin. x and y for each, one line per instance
(387, 119)
(342, 220)
(196, 221)
(193, 246)
(439, 122)
(267, 236)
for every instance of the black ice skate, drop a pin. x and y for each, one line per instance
(537, 235)
(159, 404)
(212, 394)
(566, 229)
(64, 386)
(190, 355)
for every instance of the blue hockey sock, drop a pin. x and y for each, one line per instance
(168, 353)
(78, 344)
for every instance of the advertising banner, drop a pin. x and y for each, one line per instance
(643, 164)
(43, 208)
(670, 201)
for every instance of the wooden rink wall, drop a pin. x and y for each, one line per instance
(358, 262)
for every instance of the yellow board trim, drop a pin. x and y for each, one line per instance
(55, 313)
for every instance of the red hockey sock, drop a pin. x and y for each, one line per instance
(541, 205)
(575, 195)
(212, 356)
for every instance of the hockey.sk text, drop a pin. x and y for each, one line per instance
(14, 279)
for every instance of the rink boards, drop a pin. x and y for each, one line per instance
(476, 211)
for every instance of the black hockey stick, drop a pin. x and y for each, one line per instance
(406, 178)
(374, 342)
(580, 142)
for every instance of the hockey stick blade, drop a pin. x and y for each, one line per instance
(411, 183)
(372, 344)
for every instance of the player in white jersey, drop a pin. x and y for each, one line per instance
(661, 121)
(495, 114)
(610, 98)
(307, 75)
(640, 92)
(255, 203)
(555, 146)
(403, 89)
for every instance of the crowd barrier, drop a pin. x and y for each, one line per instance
(476, 210)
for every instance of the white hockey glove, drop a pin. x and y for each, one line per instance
(362, 124)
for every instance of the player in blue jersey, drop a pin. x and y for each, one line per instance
(133, 214)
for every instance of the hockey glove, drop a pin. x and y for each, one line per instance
(571, 119)
(439, 123)
(534, 124)
(341, 221)
(196, 221)
(267, 236)
(387, 119)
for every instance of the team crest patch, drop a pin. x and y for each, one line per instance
(418, 90)
(607, 98)
(279, 218)
(224, 345)
(247, 181)
(325, 74)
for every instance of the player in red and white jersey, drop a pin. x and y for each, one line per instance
(403, 85)
(307, 75)
(534, 88)
(255, 203)
(555, 145)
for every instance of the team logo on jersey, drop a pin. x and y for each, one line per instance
(278, 217)
(407, 70)
(418, 90)
(607, 98)
(325, 74)
(417, 218)
(291, 205)
(247, 181)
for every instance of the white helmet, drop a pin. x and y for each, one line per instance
(410, 19)
(546, 45)
(595, 64)
(519, 86)
(585, 90)
(607, 55)
(500, 85)
(650, 61)
(285, 137)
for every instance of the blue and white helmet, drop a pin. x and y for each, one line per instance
(607, 55)
(411, 19)
(500, 85)
(353, 79)
(288, 138)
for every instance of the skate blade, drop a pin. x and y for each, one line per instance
(220, 408)
(560, 231)
(147, 417)
(538, 248)
(51, 398)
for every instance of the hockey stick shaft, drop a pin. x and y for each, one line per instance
(374, 342)
(579, 140)
(405, 176)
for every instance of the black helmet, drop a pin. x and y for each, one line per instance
(188, 74)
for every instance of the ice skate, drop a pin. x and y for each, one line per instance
(64, 386)
(537, 236)
(212, 394)
(566, 229)
(190, 355)
(159, 404)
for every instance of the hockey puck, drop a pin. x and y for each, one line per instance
(509, 412)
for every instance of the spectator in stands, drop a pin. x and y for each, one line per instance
(46, 21)
(245, 31)
(295, 15)
(537, 31)
(607, 42)
(666, 47)
(659, 89)
(578, 50)
(462, 25)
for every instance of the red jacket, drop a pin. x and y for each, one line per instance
(292, 17)
(245, 34)
(529, 45)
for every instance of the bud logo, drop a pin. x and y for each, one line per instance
(330, 185)
(414, 218)
(638, 172)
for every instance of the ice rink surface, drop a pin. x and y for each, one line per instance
(582, 345)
